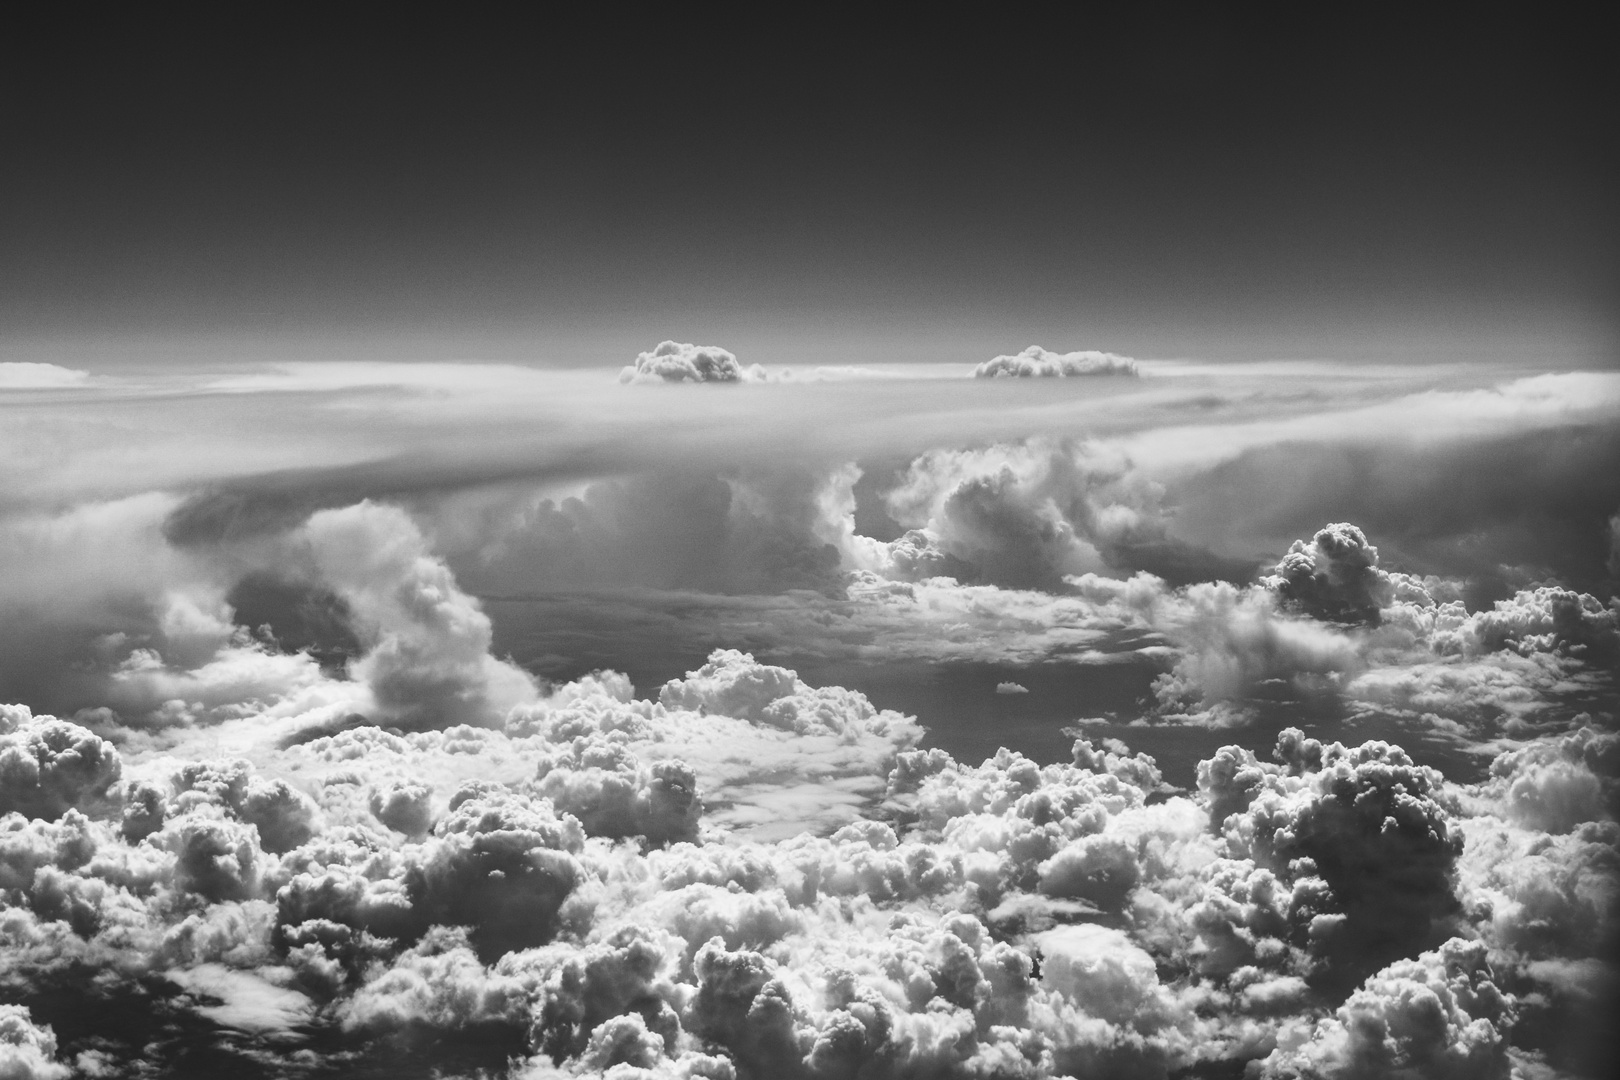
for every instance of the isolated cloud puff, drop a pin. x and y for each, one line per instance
(1036, 362)
(1335, 576)
(674, 362)
(732, 683)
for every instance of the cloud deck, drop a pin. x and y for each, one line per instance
(281, 806)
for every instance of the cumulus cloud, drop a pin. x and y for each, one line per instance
(587, 909)
(1335, 576)
(1037, 362)
(1011, 688)
(1438, 1015)
(674, 362)
(48, 766)
(27, 1051)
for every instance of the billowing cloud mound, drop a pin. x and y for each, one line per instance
(27, 1052)
(1036, 362)
(1548, 619)
(1018, 515)
(1439, 1016)
(1360, 827)
(1335, 576)
(674, 362)
(48, 766)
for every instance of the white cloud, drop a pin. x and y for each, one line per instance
(1040, 363)
(24, 375)
(738, 871)
(674, 362)
(27, 1051)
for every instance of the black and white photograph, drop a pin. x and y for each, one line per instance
(807, 546)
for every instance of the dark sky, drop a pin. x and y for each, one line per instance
(1211, 172)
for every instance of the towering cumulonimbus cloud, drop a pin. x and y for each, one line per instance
(1614, 546)
(427, 659)
(1036, 362)
(738, 530)
(1019, 515)
(675, 362)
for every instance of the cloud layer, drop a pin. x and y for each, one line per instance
(275, 799)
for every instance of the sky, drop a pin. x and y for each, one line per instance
(1178, 183)
(978, 550)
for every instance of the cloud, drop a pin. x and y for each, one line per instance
(1038, 362)
(673, 362)
(1011, 688)
(1020, 515)
(48, 766)
(743, 529)
(427, 658)
(1334, 577)
(1613, 564)
(317, 816)
(27, 1051)
(1437, 1015)
(588, 910)
(23, 375)
(1548, 619)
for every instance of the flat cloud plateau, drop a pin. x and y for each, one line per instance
(469, 719)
